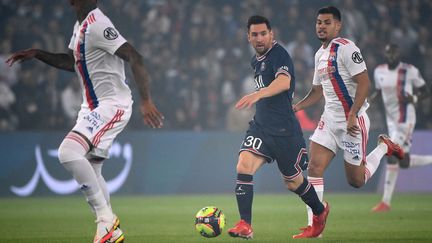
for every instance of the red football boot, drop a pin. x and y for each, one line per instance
(307, 233)
(241, 229)
(381, 207)
(319, 221)
(318, 225)
(392, 148)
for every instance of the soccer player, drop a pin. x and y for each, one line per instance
(400, 85)
(274, 134)
(341, 76)
(97, 52)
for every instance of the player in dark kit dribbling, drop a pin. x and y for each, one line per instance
(274, 133)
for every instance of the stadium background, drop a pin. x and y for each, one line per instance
(198, 56)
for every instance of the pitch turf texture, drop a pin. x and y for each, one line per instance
(170, 218)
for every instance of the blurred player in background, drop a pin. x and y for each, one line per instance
(97, 52)
(274, 133)
(341, 76)
(399, 85)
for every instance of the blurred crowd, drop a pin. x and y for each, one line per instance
(198, 55)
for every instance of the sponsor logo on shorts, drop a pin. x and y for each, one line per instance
(352, 148)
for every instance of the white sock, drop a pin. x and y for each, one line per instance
(420, 160)
(318, 184)
(72, 156)
(97, 167)
(373, 160)
(86, 178)
(390, 182)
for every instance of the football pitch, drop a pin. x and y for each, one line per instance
(171, 218)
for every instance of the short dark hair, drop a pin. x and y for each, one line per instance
(331, 10)
(392, 46)
(257, 19)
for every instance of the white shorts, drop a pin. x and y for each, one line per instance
(401, 133)
(101, 126)
(333, 134)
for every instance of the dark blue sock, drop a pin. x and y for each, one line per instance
(244, 194)
(308, 194)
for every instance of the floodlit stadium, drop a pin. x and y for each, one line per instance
(175, 148)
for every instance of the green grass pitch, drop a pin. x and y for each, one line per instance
(171, 218)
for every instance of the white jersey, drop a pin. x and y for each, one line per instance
(335, 67)
(394, 84)
(101, 73)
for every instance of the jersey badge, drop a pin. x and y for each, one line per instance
(357, 57)
(263, 66)
(110, 33)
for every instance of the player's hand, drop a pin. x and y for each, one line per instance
(21, 56)
(248, 100)
(352, 127)
(152, 117)
(407, 98)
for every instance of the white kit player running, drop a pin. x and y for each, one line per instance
(400, 86)
(341, 77)
(97, 52)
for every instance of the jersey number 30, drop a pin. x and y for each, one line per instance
(253, 142)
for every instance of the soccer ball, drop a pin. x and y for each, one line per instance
(210, 221)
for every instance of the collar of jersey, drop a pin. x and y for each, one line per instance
(85, 19)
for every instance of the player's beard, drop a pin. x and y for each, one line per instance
(261, 51)
(393, 64)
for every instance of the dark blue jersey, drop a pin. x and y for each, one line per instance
(274, 114)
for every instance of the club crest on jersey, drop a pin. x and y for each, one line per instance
(357, 57)
(332, 57)
(110, 33)
(263, 66)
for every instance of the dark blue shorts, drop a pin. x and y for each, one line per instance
(288, 151)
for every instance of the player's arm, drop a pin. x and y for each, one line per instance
(64, 61)
(376, 95)
(419, 94)
(152, 116)
(278, 85)
(363, 83)
(315, 94)
(422, 92)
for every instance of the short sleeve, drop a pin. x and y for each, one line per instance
(282, 64)
(106, 37)
(353, 59)
(376, 79)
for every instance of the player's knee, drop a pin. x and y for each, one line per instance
(315, 169)
(244, 168)
(70, 150)
(292, 185)
(405, 163)
(392, 160)
(356, 182)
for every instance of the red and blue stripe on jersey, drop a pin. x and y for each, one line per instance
(337, 81)
(81, 63)
(401, 80)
